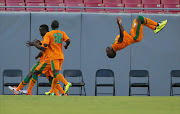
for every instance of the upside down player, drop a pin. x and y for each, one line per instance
(43, 30)
(125, 39)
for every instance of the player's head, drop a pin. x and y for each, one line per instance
(140, 19)
(110, 52)
(43, 29)
(55, 24)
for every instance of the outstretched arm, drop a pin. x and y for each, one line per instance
(121, 28)
(67, 43)
(34, 43)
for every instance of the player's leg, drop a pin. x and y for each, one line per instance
(58, 86)
(25, 81)
(41, 68)
(148, 22)
(56, 67)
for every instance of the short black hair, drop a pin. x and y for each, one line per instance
(111, 55)
(55, 24)
(44, 27)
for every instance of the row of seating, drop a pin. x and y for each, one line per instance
(96, 1)
(101, 73)
(91, 5)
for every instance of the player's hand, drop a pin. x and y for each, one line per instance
(66, 47)
(119, 20)
(29, 43)
(37, 41)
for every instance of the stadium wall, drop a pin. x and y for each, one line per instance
(90, 34)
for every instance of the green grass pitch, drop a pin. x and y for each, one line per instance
(22, 104)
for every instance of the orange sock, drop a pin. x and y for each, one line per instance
(53, 85)
(56, 92)
(21, 85)
(58, 86)
(150, 22)
(61, 78)
(151, 26)
(31, 84)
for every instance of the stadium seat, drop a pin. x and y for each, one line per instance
(34, 1)
(134, 6)
(151, 1)
(175, 75)
(74, 5)
(54, 1)
(73, 76)
(94, 10)
(54, 9)
(112, 1)
(13, 74)
(172, 6)
(73, 1)
(35, 9)
(114, 10)
(153, 6)
(43, 84)
(169, 1)
(93, 1)
(131, 1)
(2, 1)
(15, 4)
(14, 1)
(137, 79)
(104, 74)
(2, 4)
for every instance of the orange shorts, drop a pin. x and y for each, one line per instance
(49, 73)
(43, 67)
(127, 40)
(56, 64)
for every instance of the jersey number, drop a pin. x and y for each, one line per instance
(58, 38)
(134, 24)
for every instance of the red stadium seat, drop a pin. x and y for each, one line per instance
(53, 1)
(34, 1)
(74, 5)
(169, 1)
(114, 10)
(14, 1)
(93, 1)
(15, 4)
(73, 1)
(54, 9)
(2, 4)
(35, 9)
(2, 1)
(131, 1)
(153, 6)
(112, 1)
(151, 1)
(94, 10)
(172, 6)
(134, 6)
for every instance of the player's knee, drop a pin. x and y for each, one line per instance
(30, 75)
(36, 72)
(55, 72)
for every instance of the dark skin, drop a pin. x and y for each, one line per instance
(109, 50)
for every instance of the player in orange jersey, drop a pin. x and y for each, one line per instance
(53, 41)
(136, 33)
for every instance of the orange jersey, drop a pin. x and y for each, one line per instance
(45, 56)
(137, 31)
(127, 40)
(55, 40)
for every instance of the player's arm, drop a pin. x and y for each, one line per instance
(36, 45)
(67, 43)
(66, 39)
(39, 55)
(121, 28)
